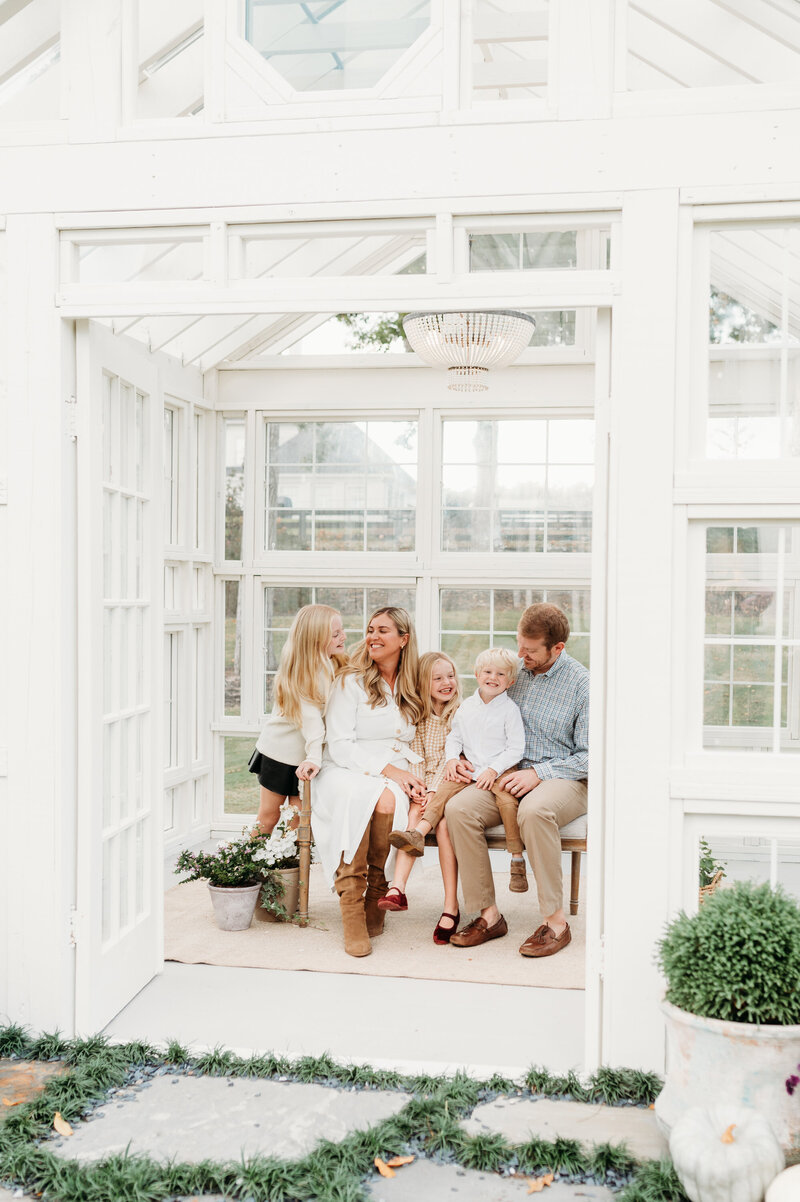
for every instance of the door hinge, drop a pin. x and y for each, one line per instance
(73, 926)
(71, 418)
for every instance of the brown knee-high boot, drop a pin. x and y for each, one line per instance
(380, 828)
(350, 883)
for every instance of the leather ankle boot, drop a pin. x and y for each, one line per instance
(351, 883)
(380, 828)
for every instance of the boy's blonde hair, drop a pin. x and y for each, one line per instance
(498, 657)
(425, 675)
(305, 662)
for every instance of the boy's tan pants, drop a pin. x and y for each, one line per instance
(506, 803)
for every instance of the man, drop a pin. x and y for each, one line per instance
(552, 692)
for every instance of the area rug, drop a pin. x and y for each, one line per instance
(406, 948)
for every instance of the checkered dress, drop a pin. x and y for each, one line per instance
(428, 742)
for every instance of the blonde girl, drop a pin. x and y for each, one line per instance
(289, 748)
(440, 690)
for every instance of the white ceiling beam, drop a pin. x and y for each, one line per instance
(92, 65)
(535, 289)
(10, 8)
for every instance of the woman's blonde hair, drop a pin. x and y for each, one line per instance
(406, 693)
(424, 677)
(305, 667)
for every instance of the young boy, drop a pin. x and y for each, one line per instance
(488, 731)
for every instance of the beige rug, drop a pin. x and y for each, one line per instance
(406, 948)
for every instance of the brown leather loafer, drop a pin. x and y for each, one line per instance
(478, 931)
(544, 941)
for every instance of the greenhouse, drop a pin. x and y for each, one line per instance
(213, 219)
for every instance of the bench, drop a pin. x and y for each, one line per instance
(573, 840)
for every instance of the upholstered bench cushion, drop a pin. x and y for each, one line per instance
(573, 830)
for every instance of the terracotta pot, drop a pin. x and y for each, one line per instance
(709, 1061)
(234, 906)
(291, 894)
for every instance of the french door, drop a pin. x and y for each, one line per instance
(119, 889)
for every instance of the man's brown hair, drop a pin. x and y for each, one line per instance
(546, 622)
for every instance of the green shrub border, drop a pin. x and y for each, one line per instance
(333, 1172)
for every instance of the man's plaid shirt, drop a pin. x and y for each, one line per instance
(555, 711)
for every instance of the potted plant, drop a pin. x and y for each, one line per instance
(280, 855)
(732, 1006)
(235, 872)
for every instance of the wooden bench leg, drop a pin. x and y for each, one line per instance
(304, 849)
(575, 882)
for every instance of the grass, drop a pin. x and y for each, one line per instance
(427, 1126)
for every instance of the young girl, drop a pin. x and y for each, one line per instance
(289, 747)
(440, 690)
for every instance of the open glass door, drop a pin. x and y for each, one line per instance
(119, 927)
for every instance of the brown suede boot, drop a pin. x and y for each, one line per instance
(380, 828)
(350, 883)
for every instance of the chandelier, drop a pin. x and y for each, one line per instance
(468, 344)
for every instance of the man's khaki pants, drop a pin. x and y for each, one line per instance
(552, 804)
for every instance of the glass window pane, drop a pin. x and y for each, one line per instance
(341, 486)
(241, 785)
(754, 343)
(233, 647)
(470, 620)
(752, 624)
(234, 486)
(354, 603)
(518, 498)
(324, 46)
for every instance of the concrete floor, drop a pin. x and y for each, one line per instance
(412, 1026)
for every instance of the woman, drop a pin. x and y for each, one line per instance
(289, 747)
(364, 786)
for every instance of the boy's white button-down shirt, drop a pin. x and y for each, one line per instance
(491, 734)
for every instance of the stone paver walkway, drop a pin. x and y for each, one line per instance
(192, 1118)
(519, 1118)
(217, 1118)
(425, 1181)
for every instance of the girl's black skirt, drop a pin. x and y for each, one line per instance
(275, 776)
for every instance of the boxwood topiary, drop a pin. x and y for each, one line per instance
(737, 958)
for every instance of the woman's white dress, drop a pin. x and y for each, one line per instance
(360, 741)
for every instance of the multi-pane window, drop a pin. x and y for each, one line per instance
(752, 638)
(472, 619)
(355, 604)
(761, 858)
(754, 343)
(340, 486)
(517, 485)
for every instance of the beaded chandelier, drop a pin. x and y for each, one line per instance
(468, 344)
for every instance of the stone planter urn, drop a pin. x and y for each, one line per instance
(234, 906)
(291, 895)
(710, 1061)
